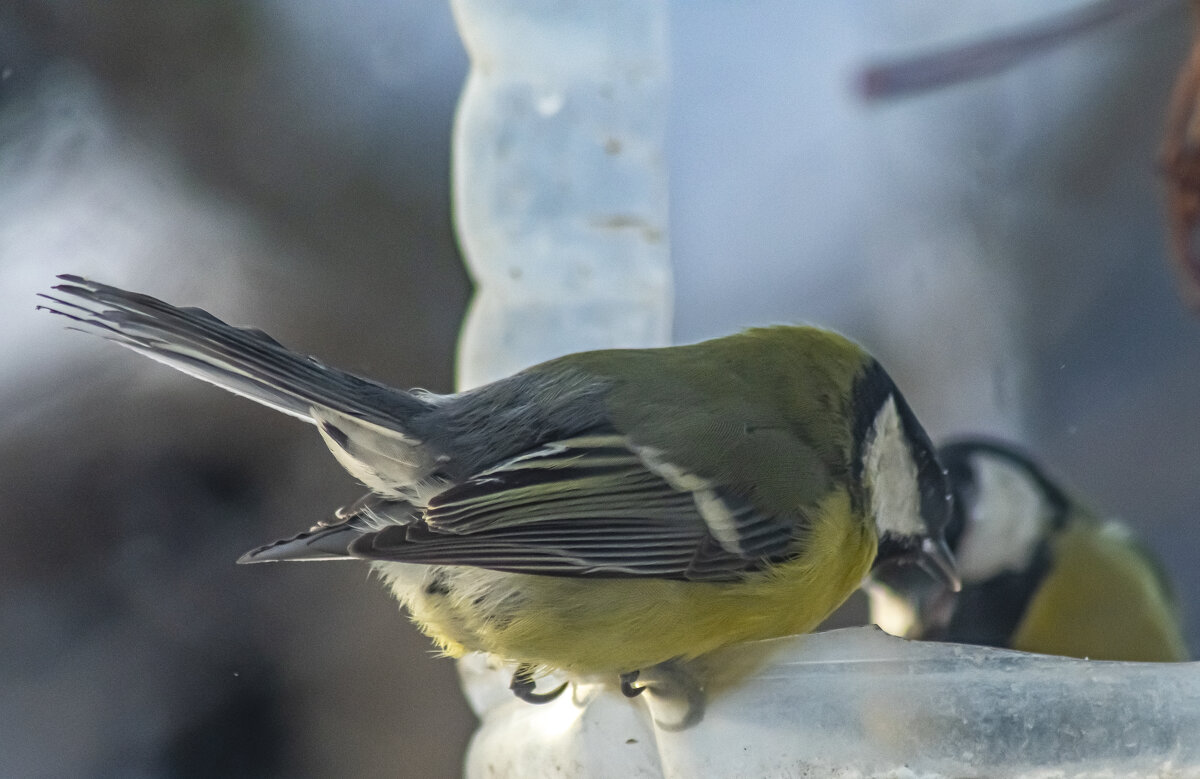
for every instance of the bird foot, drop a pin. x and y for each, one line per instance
(669, 683)
(524, 687)
(629, 688)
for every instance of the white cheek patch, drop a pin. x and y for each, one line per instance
(1008, 517)
(891, 475)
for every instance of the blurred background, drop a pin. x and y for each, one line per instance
(998, 245)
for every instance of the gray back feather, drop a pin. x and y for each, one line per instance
(482, 427)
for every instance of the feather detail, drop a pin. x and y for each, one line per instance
(588, 506)
(364, 423)
(245, 361)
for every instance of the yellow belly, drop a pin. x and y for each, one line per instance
(1101, 599)
(599, 625)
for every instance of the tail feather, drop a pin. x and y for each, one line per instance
(245, 361)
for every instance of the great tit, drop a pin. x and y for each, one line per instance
(1040, 572)
(602, 513)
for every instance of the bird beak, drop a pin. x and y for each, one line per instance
(936, 560)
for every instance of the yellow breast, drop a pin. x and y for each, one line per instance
(615, 625)
(1101, 599)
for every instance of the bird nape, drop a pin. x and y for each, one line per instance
(615, 512)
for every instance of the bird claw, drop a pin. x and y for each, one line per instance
(628, 687)
(667, 681)
(671, 682)
(524, 687)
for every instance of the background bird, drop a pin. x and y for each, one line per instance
(605, 512)
(1040, 571)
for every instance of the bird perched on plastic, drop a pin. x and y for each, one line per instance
(607, 512)
(1040, 572)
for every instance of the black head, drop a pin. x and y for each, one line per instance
(905, 489)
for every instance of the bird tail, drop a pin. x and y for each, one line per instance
(245, 361)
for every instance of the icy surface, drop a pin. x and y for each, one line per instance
(560, 193)
(858, 702)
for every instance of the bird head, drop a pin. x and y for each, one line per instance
(905, 489)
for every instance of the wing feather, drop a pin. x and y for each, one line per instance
(587, 506)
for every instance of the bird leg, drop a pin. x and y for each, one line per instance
(523, 686)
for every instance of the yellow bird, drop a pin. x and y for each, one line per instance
(1041, 573)
(604, 513)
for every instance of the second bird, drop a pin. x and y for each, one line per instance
(1041, 572)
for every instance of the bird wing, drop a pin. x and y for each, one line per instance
(331, 540)
(590, 505)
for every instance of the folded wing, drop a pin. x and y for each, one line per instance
(584, 506)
